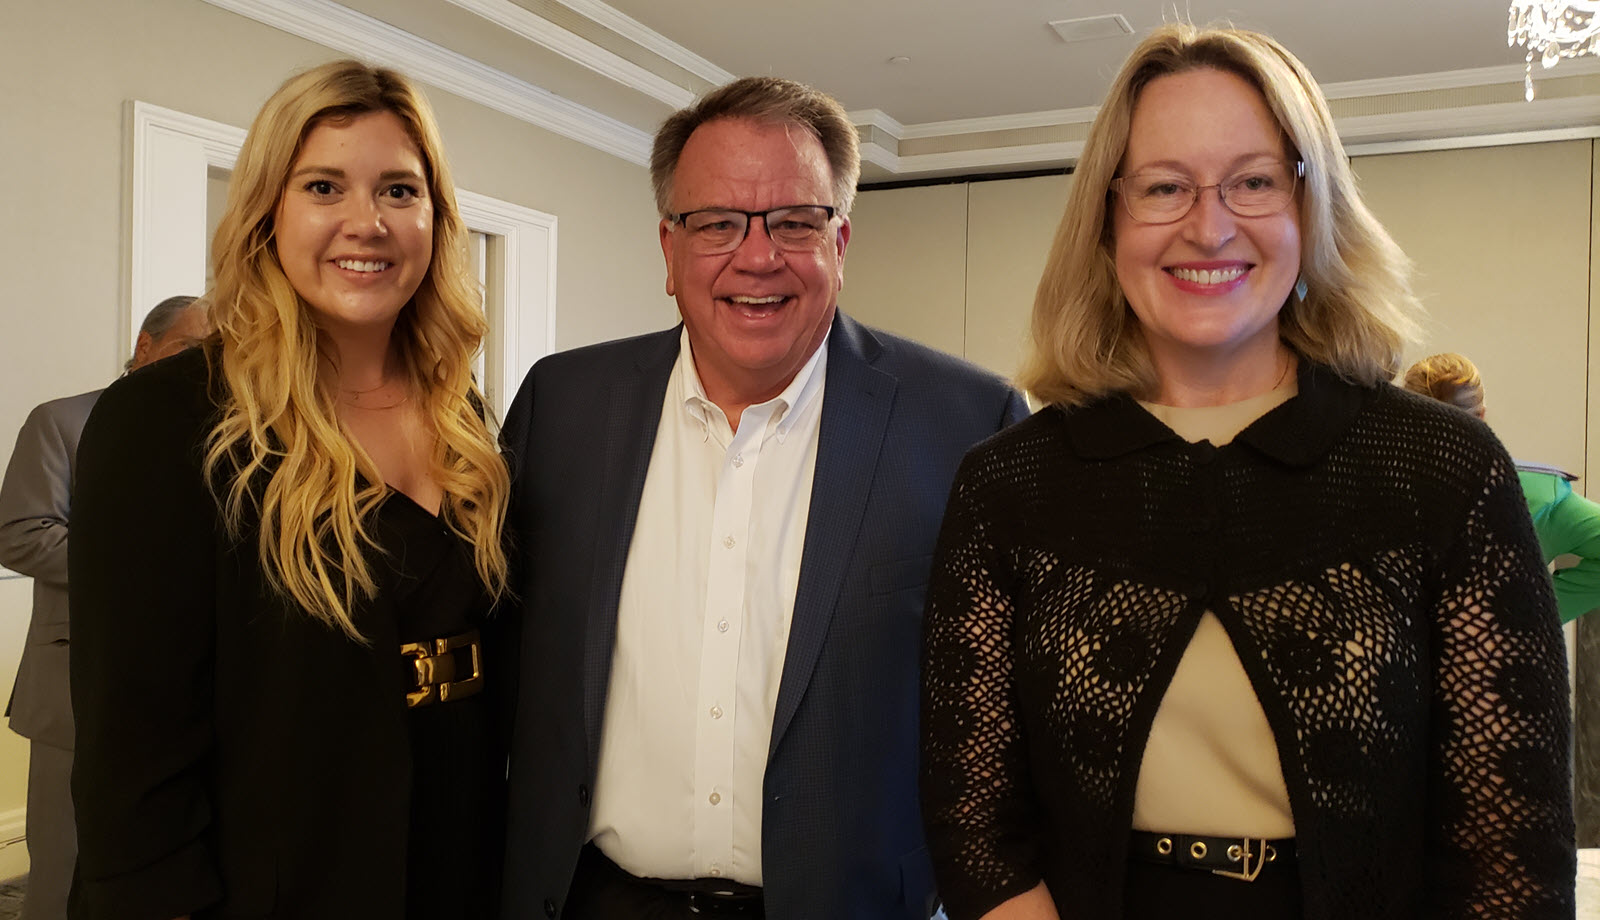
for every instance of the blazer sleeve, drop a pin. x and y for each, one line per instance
(1016, 408)
(978, 807)
(1500, 794)
(1572, 526)
(142, 588)
(35, 499)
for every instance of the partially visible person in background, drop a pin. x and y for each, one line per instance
(35, 502)
(1567, 523)
(285, 545)
(171, 326)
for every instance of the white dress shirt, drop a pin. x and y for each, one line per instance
(702, 628)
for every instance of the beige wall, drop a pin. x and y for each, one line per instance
(1501, 243)
(67, 72)
(1013, 223)
(1503, 268)
(1592, 417)
(924, 298)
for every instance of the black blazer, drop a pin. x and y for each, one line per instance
(841, 831)
(235, 757)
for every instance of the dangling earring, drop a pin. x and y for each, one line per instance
(1300, 288)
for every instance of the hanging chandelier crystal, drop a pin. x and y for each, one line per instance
(1552, 30)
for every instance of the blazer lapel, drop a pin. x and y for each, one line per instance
(857, 399)
(627, 437)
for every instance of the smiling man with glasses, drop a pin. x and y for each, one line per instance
(729, 527)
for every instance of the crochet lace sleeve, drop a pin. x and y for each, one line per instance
(977, 805)
(1500, 799)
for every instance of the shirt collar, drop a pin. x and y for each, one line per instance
(786, 406)
(1296, 433)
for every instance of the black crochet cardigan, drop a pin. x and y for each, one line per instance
(1370, 555)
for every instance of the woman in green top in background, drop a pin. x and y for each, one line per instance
(1567, 523)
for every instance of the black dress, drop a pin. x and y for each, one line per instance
(451, 859)
(237, 758)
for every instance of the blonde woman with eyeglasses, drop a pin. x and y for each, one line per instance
(285, 544)
(1233, 628)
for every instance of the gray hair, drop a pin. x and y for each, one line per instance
(162, 317)
(771, 100)
(164, 314)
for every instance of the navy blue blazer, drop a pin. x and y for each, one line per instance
(841, 828)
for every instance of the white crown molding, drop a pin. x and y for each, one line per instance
(1463, 142)
(880, 156)
(648, 39)
(1501, 118)
(1020, 121)
(334, 26)
(1054, 154)
(543, 32)
(1385, 86)
(1455, 79)
(337, 27)
(1058, 154)
(877, 118)
(1491, 125)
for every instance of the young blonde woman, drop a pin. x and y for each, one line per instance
(284, 544)
(1233, 628)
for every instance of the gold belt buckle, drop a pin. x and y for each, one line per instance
(1240, 852)
(435, 664)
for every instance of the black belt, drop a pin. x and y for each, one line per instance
(709, 897)
(1242, 858)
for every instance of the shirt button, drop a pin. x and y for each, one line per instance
(715, 798)
(722, 625)
(583, 796)
(738, 460)
(716, 712)
(714, 872)
(549, 908)
(728, 541)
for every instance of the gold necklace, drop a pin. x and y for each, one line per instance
(352, 398)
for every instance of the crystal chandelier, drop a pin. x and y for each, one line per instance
(1553, 29)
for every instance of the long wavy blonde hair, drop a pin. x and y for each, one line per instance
(1359, 310)
(279, 457)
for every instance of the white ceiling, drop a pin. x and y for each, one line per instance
(973, 58)
(988, 85)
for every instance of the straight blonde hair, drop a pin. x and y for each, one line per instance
(1358, 312)
(279, 457)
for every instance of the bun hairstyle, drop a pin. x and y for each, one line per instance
(1450, 378)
